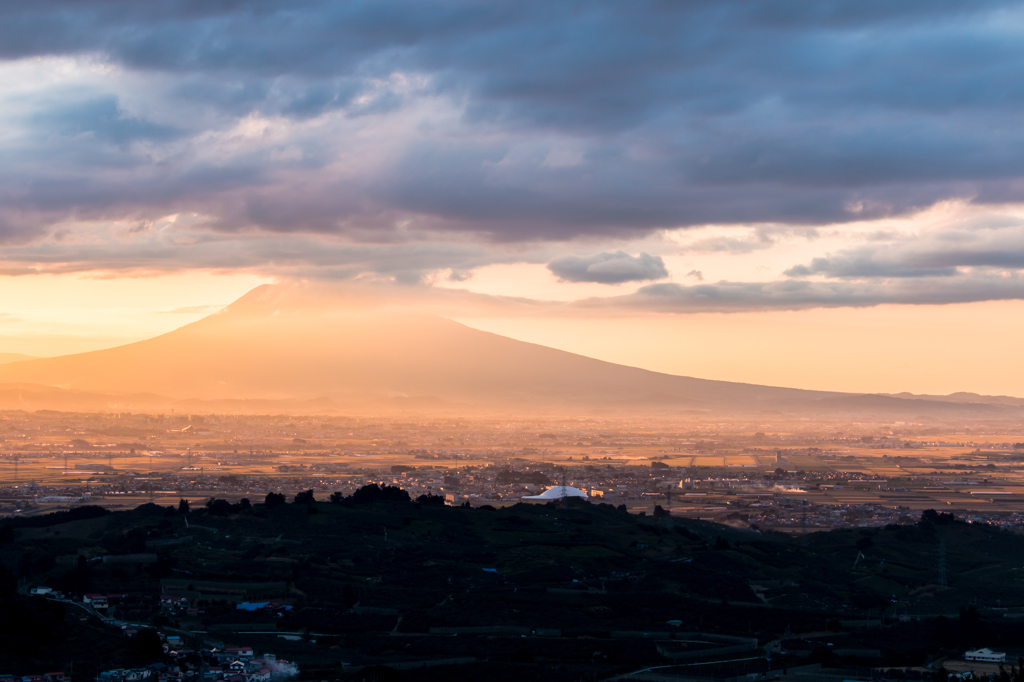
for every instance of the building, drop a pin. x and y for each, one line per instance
(986, 655)
(556, 493)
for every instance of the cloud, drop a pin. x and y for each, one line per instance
(538, 120)
(996, 243)
(7, 317)
(609, 268)
(182, 244)
(101, 117)
(416, 142)
(803, 295)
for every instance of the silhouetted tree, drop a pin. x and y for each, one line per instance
(220, 507)
(244, 503)
(430, 499)
(337, 498)
(273, 500)
(931, 517)
(369, 494)
(305, 497)
(183, 507)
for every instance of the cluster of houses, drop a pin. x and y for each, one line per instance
(98, 601)
(237, 664)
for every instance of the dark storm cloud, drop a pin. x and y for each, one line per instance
(609, 268)
(670, 114)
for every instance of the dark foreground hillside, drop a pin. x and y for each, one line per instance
(527, 591)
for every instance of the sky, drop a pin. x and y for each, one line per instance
(823, 195)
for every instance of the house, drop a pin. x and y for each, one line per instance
(171, 602)
(261, 675)
(53, 677)
(240, 652)
(986, 655)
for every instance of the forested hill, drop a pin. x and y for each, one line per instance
(376, 575)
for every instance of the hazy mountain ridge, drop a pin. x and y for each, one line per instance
(963, 397)
(285, 345)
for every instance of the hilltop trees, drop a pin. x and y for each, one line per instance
(369, 494)
(931, 517)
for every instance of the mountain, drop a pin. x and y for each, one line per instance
(13, 357)
(280, 344)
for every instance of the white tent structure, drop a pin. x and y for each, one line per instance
(557, 492)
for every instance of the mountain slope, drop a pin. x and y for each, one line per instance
(13, 357)
(296, 343)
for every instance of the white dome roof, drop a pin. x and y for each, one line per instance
(557, 493)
